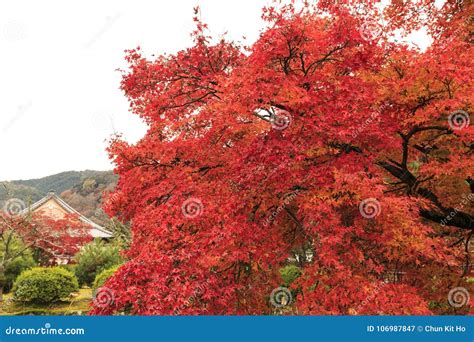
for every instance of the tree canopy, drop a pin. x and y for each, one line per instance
(328, 143)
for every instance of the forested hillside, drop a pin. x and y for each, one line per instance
(81, 189)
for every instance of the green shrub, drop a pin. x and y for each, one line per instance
(102, 277)
(44, 285)
(290, 273)
(69, 267)
(94, 258)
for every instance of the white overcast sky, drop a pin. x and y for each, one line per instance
(59, 96)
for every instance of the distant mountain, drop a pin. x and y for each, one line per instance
(81, 189)
(59, 182)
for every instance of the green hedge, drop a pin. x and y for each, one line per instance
(44, 285)
(102, 277)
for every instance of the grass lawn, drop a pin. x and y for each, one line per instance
(79, 305)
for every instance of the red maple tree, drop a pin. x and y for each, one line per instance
(57, 240)
(327, 144)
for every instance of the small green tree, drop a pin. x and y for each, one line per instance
(121, 232)
(290, 273)
(94, 258)
(14, 267)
